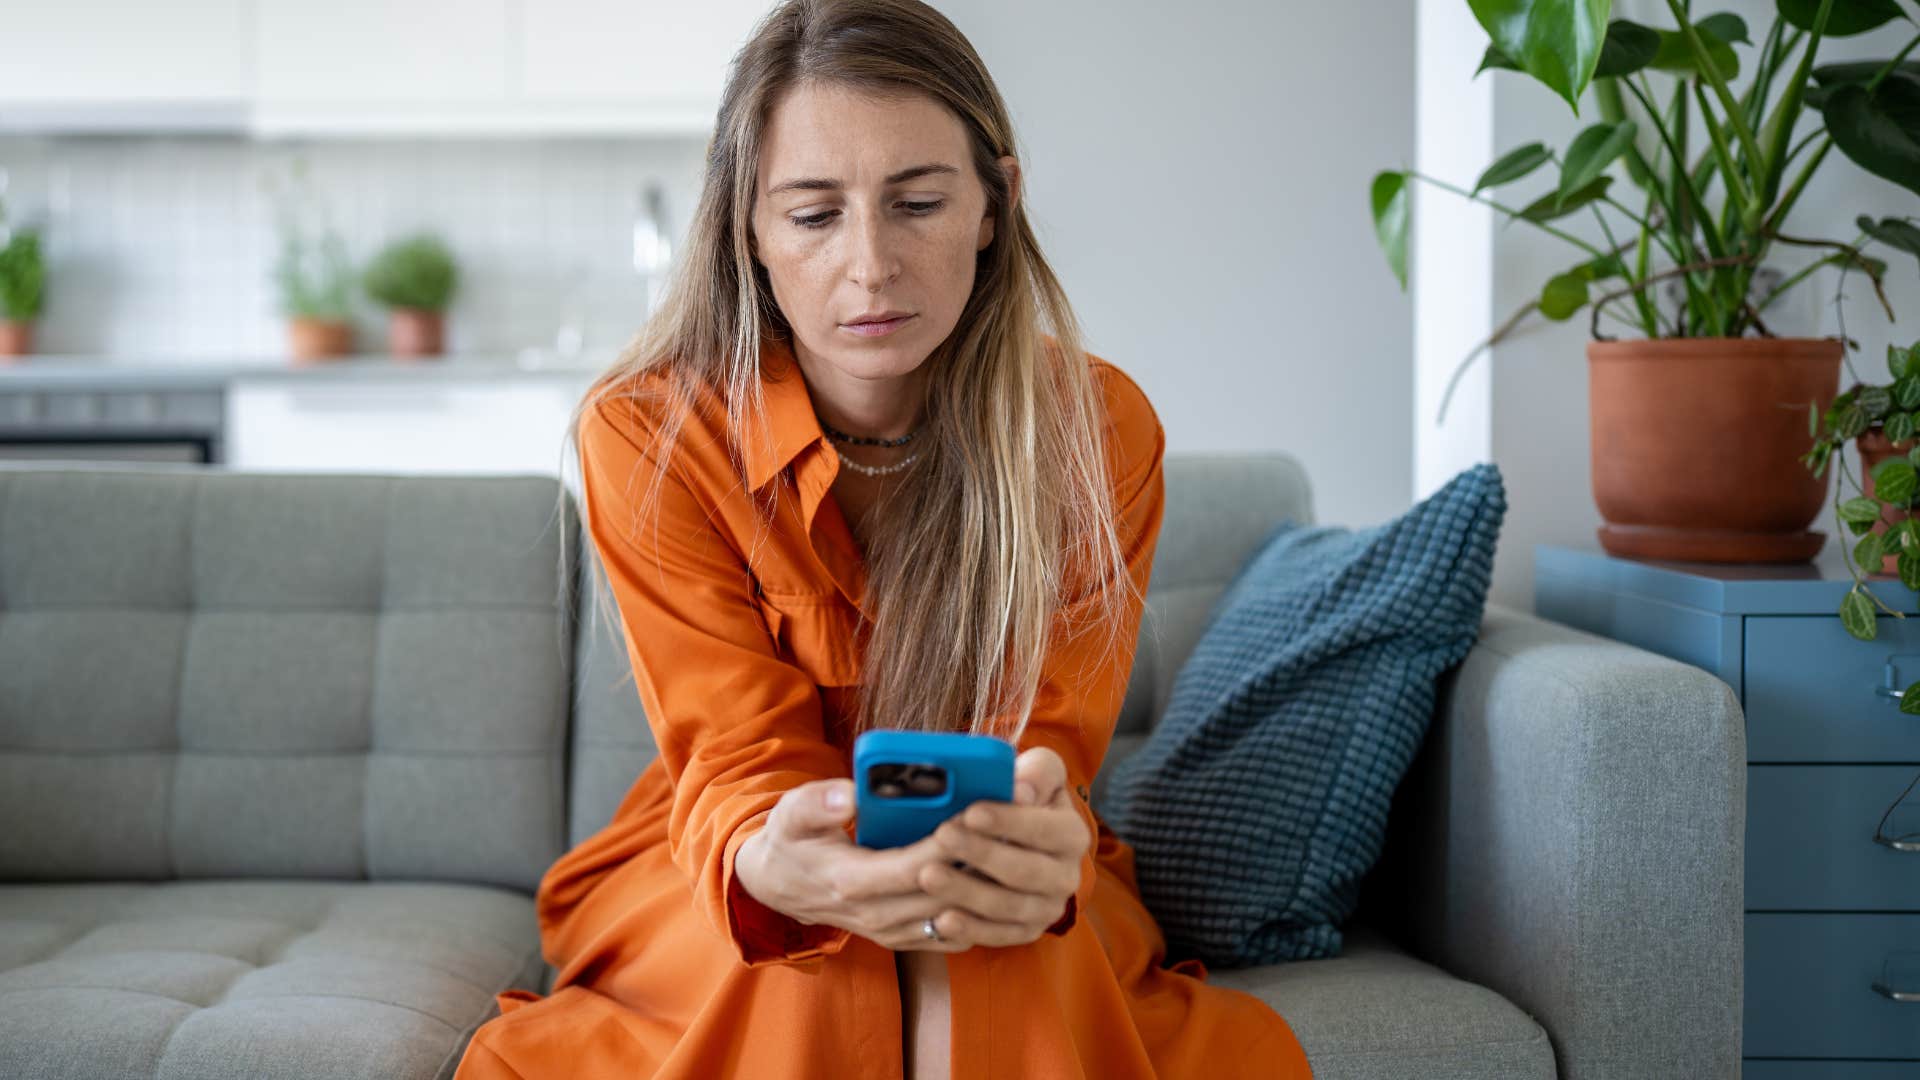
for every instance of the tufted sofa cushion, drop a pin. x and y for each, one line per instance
(213, 674)
(209, 980)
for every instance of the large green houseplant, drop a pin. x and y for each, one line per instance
(1707, 217)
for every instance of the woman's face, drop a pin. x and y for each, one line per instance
(848, 224)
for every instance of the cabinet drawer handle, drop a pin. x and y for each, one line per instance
(1908, 846)
(1897, 995)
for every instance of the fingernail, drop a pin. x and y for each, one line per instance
(836, 798)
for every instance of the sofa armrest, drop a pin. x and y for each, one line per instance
(1572, 835)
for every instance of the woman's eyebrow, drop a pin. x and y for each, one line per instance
(824, 184)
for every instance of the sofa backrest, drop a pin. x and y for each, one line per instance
(1219, 507)
(209, 673)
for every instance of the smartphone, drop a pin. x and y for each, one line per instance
(907, 782)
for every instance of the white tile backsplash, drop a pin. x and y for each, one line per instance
(161, 248)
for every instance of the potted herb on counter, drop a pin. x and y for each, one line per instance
(22, 281)
(1702, 383)
(312, 273)
(414, 278)
(315, 280)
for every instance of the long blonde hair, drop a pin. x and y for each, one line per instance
(1010, 499)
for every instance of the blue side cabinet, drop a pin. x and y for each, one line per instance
(1832, 957)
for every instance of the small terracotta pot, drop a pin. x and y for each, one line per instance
(414, 333)
(1696, 446)
(1874, 449)
(316, 340)
(16, 338)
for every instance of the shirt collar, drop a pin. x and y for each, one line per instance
(792, 425)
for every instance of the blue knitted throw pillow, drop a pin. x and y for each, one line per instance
(1260, 800)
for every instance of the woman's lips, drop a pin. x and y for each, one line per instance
(877, 329)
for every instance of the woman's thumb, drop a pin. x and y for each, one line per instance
(822, 806)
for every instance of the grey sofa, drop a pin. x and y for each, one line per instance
(283, 757)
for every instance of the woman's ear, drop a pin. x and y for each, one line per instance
(1011, 168)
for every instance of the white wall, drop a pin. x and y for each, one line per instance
(1539, 395)
(1198, 176)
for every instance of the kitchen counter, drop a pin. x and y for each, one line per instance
(463, 412)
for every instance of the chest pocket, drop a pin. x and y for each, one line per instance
(815, 632)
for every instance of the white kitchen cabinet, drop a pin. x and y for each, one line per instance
(347, 64)
(80, 53)
(387, 424)
(661, 54)
(357, 68)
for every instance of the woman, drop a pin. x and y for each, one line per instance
(943, 519)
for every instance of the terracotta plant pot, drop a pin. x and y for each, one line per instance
(1874, 449)
(16, 338)
(415, 332)
(1696, 444)
(315, 340)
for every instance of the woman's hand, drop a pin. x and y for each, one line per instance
(1022, 859)
(803, 864)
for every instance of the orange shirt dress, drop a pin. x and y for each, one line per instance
(741, 638)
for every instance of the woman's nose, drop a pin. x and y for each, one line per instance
(873, 261)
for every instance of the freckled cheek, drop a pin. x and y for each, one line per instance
(799, 271)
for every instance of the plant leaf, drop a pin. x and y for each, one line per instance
(1628, 48)
(1555, 41)
(1391, 213)
(1551, 205)
(1858, 71)
(1601, 267)
(1859, 510)
(1894, 481)
(1847, 18)
(1677, 56)
(1875, 401)
(1910, 700)
(1513, 165)
(1856, 614)
(1880, 131)
(1906, 389)
(1909, 566)
(1592, 151)
(1726, 26)
(1828, 76)
(1868, 551)
(1564, 294)
(1851, 422)
(1899, 427)
(1493, 60)
(1894, 232)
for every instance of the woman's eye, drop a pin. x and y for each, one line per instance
(819, 220)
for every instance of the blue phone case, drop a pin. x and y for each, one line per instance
(977, 767)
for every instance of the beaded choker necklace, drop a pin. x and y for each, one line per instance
(865, 440)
